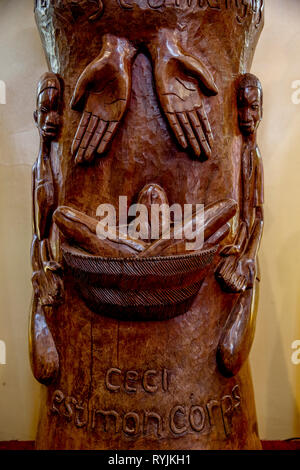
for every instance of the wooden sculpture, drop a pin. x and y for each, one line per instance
(239, 272)
(147, 210)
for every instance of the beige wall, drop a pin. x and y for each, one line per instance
(277, 63)
(276, 379)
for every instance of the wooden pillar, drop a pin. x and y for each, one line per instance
(141, 342)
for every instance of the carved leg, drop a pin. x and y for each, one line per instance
(43, 354)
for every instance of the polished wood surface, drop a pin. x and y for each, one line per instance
(141, 342)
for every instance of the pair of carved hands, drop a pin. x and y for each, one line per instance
(103, 93)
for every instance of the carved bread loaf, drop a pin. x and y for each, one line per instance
(81, 230)
(215, 216)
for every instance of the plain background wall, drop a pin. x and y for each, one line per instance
(277, 63)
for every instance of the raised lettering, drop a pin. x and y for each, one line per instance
(134, 419)
(130, 376)
(214, 4)
(106, 414)
(151, 415)
(58, 398)
(148, 387)
(69, 401)
(156, 3)
(226, 407)
(125, 5)
(174, 427)
(197, 425)
(236, 395)
(79, 421)
(109, 385)
(165, 380)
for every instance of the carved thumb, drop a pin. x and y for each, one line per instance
(81, 88)
(198, 69)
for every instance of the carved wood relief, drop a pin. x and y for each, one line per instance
(147, 219)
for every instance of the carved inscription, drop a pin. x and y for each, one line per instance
(150, 381)
(40, 3)
(243, 8)
(215, 415)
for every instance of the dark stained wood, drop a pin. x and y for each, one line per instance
(17, 445)
(141, 340)
(293, 444)
(266, 445)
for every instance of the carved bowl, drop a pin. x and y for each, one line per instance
(154, 288)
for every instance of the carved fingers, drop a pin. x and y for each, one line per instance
(196, 130)
(192, 128)
(46, 279)
(229, 276)
(102, 92)
(92, 137)
(237, 274)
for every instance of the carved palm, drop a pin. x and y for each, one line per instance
(103, 92)
(181, 82)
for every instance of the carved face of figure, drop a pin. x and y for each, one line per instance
(249, 109)
(47, 114)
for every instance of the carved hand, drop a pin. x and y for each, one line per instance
(230, 277)
(247, 267)
(47, 286)
(181, 80)
(46, 279)
(103, 92)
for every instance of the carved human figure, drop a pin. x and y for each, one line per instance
(238, 272)
(46, 279)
